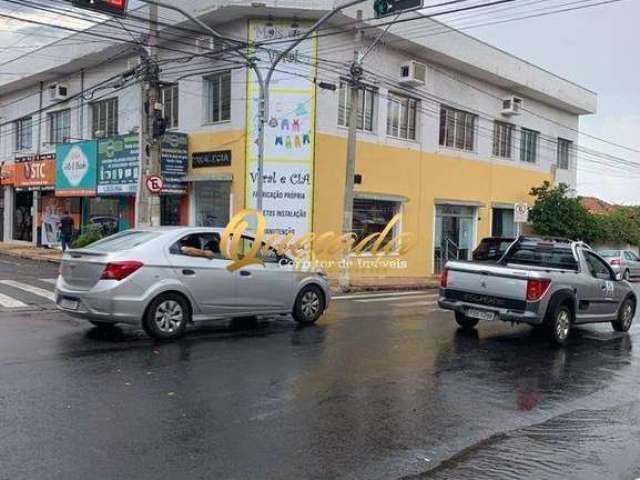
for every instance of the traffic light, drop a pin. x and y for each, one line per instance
(112, 7)
(382, 8)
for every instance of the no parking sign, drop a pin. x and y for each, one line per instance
(154, 184)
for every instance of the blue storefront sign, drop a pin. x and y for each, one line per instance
(174, 161)
(76, 169)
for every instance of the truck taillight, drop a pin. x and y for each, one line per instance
(120, 270)
(615, 261)
(537, 288)
(444, 278)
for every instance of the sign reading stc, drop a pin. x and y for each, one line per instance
(113, 7)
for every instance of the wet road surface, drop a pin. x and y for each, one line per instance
(383, 387)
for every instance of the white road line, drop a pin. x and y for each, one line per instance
(414, 304)
(52, 281)
(393, 299)
(376, 295)
(9, 302)
(41, 292)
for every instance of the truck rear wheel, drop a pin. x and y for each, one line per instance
(558, 324)
(625, 316)
(465, 322)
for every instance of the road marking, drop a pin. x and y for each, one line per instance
(392, 299)
(414, 304)
(52, 281)
(376, 295)
(41, 292)
(9, 302)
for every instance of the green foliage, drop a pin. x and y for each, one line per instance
(557, 214)
(89, 234)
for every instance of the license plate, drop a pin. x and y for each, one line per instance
(69, 304)
(480, 314)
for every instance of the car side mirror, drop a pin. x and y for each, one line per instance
(618, 277)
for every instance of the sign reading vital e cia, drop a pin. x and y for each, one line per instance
(113, 7)
(382, 8)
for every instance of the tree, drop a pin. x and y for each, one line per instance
(556, 214)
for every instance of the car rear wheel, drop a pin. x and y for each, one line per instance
(166, 317)
(465, 322)
(625, 316)
(309, 305)
(558, 324)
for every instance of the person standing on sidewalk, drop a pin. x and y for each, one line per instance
(66, 230)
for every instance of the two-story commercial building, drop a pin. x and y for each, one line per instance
(452, 132)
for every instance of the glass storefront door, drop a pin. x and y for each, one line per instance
(22, 217)
(454, 234)
(211, 200)
(502, 224)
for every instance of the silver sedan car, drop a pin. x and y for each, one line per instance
(624, 262)
(164, 279)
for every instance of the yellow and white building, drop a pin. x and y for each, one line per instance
(452, 131)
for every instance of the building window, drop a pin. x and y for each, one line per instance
(59, 126)
(502, 224)
(105, 118)
(366, 108)
(24, 132)
(401, 116)
(170, 105)
(372, 216)
(457, 129)
(502, 139)
(528, 145)
(564, 149)
(219, 96)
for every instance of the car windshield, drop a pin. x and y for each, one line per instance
(123, 241)
(551, 257)
(609, 253)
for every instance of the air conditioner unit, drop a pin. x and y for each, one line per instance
(58, 92)
(206, 45)
(413, 74)
(511, 106)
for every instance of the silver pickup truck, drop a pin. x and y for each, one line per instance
(554, 283)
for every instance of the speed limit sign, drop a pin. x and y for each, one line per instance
(521, 213)
(154, 184)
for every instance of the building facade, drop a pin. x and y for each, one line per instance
(452, 132)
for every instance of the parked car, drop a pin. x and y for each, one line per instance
(622, 261)
(491, 249)
(555, 283)
(163, 279)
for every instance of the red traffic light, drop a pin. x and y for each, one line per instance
(113, 7)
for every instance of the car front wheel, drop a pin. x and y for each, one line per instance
(309, 305)
(625, 316)
(465, 322)
(166, 317)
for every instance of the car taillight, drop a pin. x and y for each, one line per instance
(120, 270)
(614, 261)
(444, 278)
(537, 288)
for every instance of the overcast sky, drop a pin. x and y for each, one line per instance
(597, 48)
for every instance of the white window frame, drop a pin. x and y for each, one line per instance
(402, 116)
(564, 153)
(24, 133)
(529, 146)
(503, 139)
(457, 129)
(170, 96)
(397, 228)
(366, 106)
(59, 133)
(104, 113)
(215, 89)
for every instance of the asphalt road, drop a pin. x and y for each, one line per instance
(383, 387)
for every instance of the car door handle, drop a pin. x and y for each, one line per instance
(244, 273)
(188, 272)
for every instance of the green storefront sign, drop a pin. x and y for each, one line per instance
(118, 165)
(76, 169)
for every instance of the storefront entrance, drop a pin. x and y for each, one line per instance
(22, 217)
(211, 203)
(454, 235)
(502, 224)
(170, 210)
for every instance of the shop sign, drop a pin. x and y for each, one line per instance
(221, 158)
(35, 172)
(76, 166)
(174, 161)
(7, 173)
(118, 165)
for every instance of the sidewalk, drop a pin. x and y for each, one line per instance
(30, 252)
(357, 285)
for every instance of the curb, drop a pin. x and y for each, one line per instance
(34, 258)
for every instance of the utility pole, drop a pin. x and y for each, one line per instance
(355, 74)
(151, 128)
